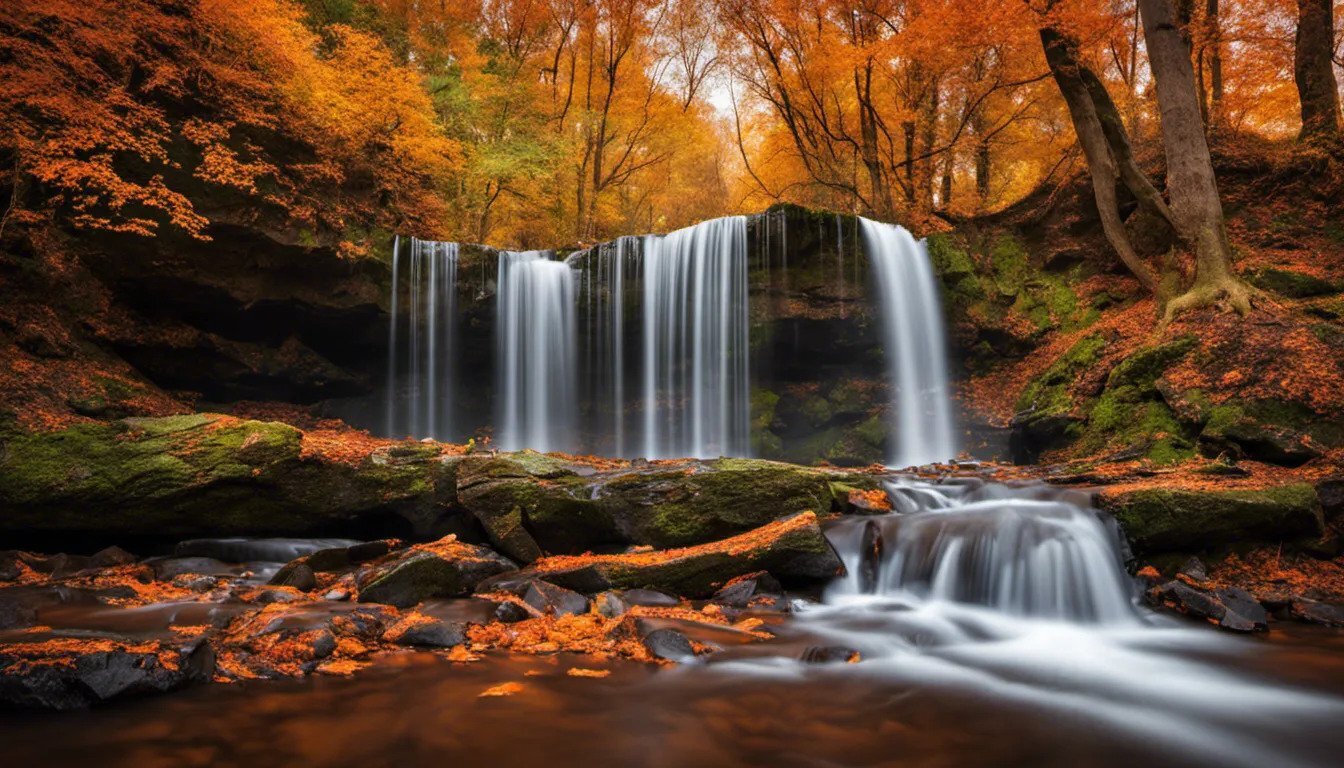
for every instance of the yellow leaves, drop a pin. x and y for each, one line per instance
(582, 672)
(503, 689)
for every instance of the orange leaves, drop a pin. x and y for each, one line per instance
(503, 689)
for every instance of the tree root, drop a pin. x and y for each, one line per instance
(1230, 293)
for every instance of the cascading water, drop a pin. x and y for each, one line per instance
(912, 337)
(695, 374)
(1033, 555)
(537, 350)
(420, 374)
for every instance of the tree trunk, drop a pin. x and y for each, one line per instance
(1313, 69)
(1092, 137)
(1215, 64)
(1195, 204)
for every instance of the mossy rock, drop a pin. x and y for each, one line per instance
(710, 500)
(1294, 285)
(443, 569)
(1273, 431)
(794, 550)
(205, 475)
(1176, 520)
(1047, 415)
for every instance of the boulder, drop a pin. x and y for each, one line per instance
(299, 576)
(1231, 609)
(421, 630)
(793, 549)
(751, 590)
(531, 504)
(555, 601)
(1175, 519)
(209, 475)
(669, 645)
(1316, 612)
(444, 568)
(73, 673)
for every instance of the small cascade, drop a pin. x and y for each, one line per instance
(420, 367)
(695, 371)
(1023, 552)
(912, 336)
(537, 351)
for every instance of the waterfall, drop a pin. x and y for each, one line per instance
(604, 270)
(1033, 553)
(696, 400)
(425, 389)
(537, 351)
(912, 337)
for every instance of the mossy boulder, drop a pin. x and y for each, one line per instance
(530, 504)
(209, 475)
(444, 568)
(1131, 417)
(1158, 520)
(1272, 431)
(793, 550)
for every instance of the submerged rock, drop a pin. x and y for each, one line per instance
(669, 645)
(829, 654)
(556, 601)
(445, 568)
(793, 549)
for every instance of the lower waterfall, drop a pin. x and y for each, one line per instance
(419, 396)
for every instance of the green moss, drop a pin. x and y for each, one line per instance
(764, 403)
(1142, 368)
(1011, 265)
(1165, 520)
(1049, 392)
(1294, 285)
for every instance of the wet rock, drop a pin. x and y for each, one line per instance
(793, 549)
(510, 612)
(195, 582)
(1330, 493)
(445, 568)
(14, 563)
(111, 557)
(1172, 519)
(418, 629)
(649, 598)
(1316, 612)
(69, 673)
(300, 577)
(556, 601)
(340, 558)
(870, 556)
(1229, 609)
(610, 605)
(829, 654)
(1193, 569)
(668, 644)
(15, 613)
(758, 589)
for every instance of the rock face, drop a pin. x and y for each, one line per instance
(529, 503)
(71, 673)
(1175, 520)
(207, 475)
(793, 550)
(445, 568)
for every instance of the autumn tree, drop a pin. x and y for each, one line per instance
(1314, 70)
(1196, 208)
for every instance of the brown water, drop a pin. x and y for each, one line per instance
(925, 708)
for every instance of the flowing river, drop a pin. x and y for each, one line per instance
(995, 626)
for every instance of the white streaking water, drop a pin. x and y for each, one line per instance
(912, 338)
(536, 343)
(419, 399)
(695, 359)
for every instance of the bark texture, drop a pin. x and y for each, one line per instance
(1314, 71)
